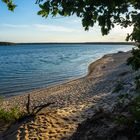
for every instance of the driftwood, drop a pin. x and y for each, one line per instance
(28, 104)
(35, 109)
(40, 107)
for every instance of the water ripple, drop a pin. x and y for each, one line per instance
(27, 67)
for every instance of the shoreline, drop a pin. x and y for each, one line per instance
(61, 83)
(75, 101)
(57, 84)
(28, 77)
(44, 88)
(52, 90)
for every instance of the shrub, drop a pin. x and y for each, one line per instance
(137, 81)
(11, 115)
(122, 97)
(132, 120)
(122, 120)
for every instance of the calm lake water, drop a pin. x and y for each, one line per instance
(27, 67)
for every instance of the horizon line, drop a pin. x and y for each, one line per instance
(68, 43)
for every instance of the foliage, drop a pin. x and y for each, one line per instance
(106, 13)
(121, 120)
(123, 97)
(133, 119)
(137, 81)
(134, 60)
(135, 109)
(11, 115)
(11, 6)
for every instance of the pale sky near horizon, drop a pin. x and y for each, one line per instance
(24, 25)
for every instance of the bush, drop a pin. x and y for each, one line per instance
(137, 81)
(132, 120)
(122, 97)
(10, 116)
(134, 60)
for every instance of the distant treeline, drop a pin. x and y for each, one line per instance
(78, 43)
(6, 43)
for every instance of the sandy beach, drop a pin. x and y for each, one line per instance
(74, 101)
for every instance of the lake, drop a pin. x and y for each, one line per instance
(28, 67)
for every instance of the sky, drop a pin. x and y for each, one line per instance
(24, 25)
